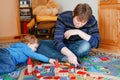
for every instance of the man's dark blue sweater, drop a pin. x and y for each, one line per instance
(65, 22)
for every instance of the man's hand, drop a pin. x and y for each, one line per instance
(80, 33)
(71, 56)
(52, 61)
(69, 33)
(73, 59)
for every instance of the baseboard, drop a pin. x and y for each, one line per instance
(10, 39)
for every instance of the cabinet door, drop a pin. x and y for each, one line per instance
(108, 25)
(9, 19)
(109, 1)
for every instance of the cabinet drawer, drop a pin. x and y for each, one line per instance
(109, 1)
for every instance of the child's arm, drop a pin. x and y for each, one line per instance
(43, 58)
(39, 56)
(30, 53)
(36, 56)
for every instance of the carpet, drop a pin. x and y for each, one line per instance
(98, 63)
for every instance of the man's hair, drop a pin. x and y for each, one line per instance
(83, 11)
(29, 39)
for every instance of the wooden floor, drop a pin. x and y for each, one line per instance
(9, 40)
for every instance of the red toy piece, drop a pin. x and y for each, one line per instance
(56, 78)
(47, 78)
(82, 72)
(29, 66)
(57, 64)
(104, 58)
(37, 73)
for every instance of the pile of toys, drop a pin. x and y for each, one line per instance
(59, 71)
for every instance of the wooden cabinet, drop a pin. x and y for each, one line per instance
(25, 15)
(9, 19)
(109, 1)
(109, 25)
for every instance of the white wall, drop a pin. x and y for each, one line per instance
(70, 5)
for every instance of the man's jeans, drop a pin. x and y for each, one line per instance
(6, 63)
(79, 48)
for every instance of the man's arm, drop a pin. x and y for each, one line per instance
(71, 57)
(58, 39)
(92, 36)
(82, 34)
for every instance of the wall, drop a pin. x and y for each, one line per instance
(9, 18)
(70, 4)
(9, 14)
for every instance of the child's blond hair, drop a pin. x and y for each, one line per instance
(29, 39)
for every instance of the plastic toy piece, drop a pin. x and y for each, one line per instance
(82, 71)
(38, 75)
(39, 65)
(104, 58)
(56, 78)
(67, 64)
(57, 64)
(47, 68)
(63, 73)
(36, 72)
(72, 69)
(100, 77)
(29, 66)
(72, 77)
(47, 78)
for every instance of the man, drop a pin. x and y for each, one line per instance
(76, 33)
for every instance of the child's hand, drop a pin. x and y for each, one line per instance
(52, 61)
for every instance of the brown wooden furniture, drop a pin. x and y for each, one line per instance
(109, 24)
(25, 15)
(43, 23)
(39, 24)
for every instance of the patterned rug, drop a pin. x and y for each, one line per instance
(98, 63)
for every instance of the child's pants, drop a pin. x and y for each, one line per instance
(6, 63)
